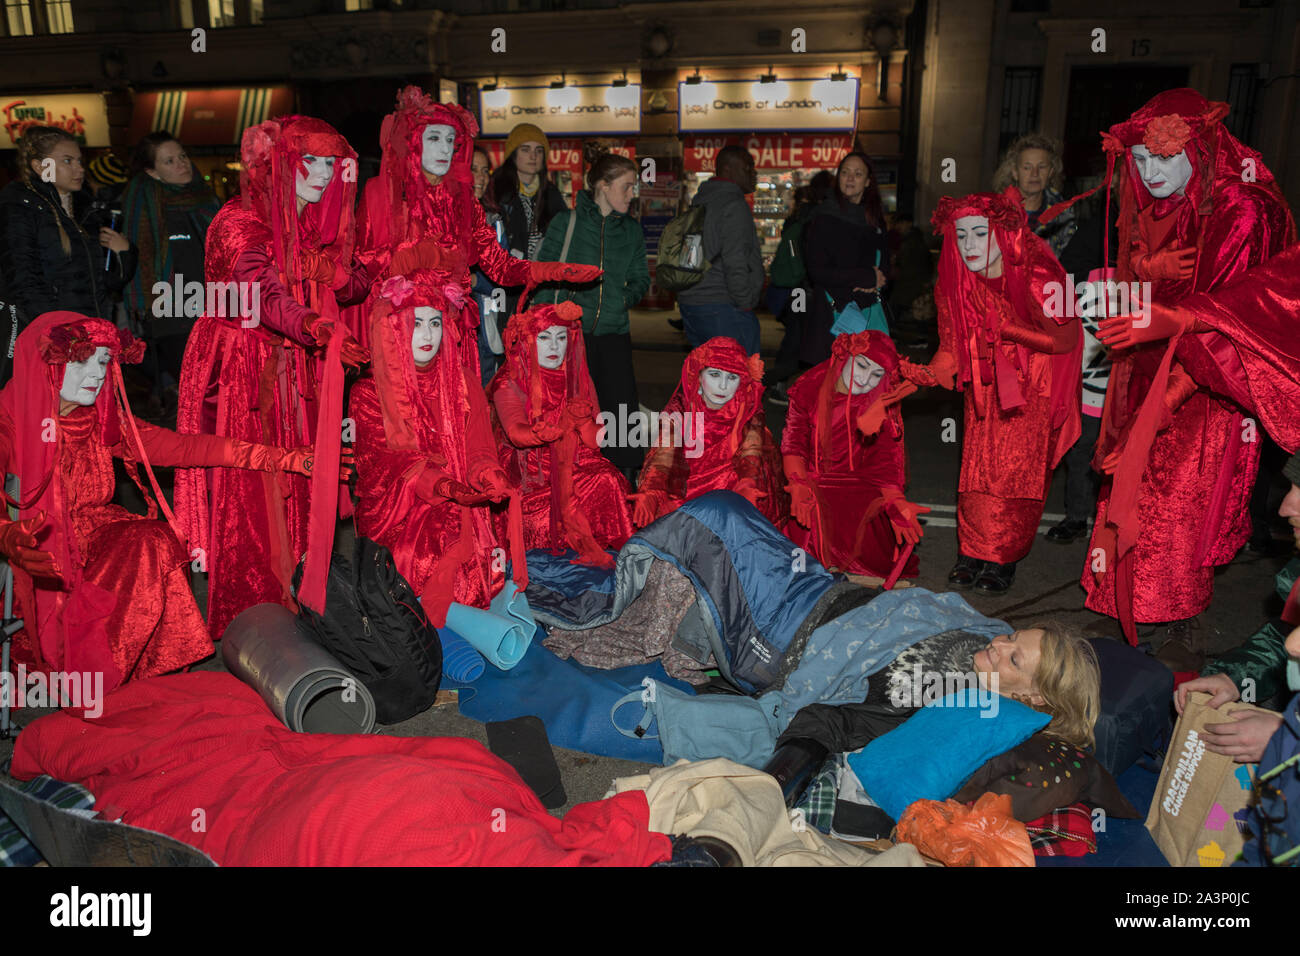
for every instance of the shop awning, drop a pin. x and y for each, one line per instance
(771, 150)
(208, 117)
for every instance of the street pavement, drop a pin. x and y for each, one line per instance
(1046, 585)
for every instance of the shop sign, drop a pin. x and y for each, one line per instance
(772, 151)
(81, 114)
(751, 105)
(573, 110)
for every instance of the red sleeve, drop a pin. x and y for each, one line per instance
(497, 264)
(383, 474)
(512, 412)
(480, 444)
(169, 449)
(279, 311)
(360, 278)
(665, 469)
(797, 436)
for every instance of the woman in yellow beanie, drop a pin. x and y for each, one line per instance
(527, 197)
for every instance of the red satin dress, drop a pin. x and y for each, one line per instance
(418, 532)
(1193, 500)
(849, 475)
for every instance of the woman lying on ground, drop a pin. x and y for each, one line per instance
(545, 406)
(428, 477)
(843, 453)
(712, 436)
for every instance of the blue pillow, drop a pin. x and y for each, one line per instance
(932, 754)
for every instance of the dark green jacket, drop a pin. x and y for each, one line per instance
(613, 242)
(1263, 656)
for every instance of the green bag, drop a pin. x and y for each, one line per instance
(681, 263)
(787, 269)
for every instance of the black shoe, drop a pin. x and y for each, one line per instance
(678, 324)
(996, 578)
(1067, 531)
(1183, 648)
(965, 571)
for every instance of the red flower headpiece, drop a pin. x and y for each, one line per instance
(77, 341)
(1167, 135)
(1000, 209)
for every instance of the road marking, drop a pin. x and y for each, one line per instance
(937, 518)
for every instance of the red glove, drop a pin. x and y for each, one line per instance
(748, 490)
(1178, 262)
(300, 460)
(321, 329)
(319, 267)
(494, 484)
(563, 272)
(547, 431)
(1162, 322)
(803, 503)
(869, 421)
(942, 371)
(459, 492)
(18, 544)
(645, 506)
(902, 515)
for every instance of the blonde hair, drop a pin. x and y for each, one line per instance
(1068, 679)
(1006, 171)
(37, 143)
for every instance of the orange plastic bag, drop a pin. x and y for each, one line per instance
(985, 834)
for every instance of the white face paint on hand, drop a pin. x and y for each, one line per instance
(1163, 176)
(427, 338)
(552, 346)
(314, 175)
(438, 143)
(718, 387)
(976, 243)
(83, 380)
(861, 375)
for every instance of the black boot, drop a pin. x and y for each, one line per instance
(965, 571)
(996, 578)
(1067, 531)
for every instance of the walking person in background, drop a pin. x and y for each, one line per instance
(721, 305)
(600, 232)
(47, 257)
(491, 321)
(167, 208)
(845, 249)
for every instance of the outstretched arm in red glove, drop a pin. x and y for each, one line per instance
(902, 515)
(18, 545)
(942, 371)
(803, 496)
(1157, 323)
(563, 272)
(873, 417)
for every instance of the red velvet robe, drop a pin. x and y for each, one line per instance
(1194, 492)
(848, 480)
(415, 530)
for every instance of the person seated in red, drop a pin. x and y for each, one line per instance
(547, 427)
(104, 591)
(843, 453)
(427, 469)
(712, 436)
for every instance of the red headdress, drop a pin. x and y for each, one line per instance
(413, 211)
(729, 356)
(879, 348)
(31, 401)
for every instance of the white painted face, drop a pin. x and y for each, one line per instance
(438, 143)
(718, 387)
(552, 346)
(313, 176)
(976, 243)
(83, 380)
(1163, 175)
(861, 375)
(427, 338)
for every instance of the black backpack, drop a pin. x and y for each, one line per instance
(375, 626)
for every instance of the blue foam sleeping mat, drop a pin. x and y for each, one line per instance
(572, 700)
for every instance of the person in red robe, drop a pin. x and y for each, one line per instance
(545, 415)
(285, 245)
(1197, 209)
(1020, 369)
(712, 436)
(104, 591)
(420, 211)
(427, 468)
(842, 447)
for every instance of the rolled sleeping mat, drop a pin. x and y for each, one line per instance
(304, 685)
(460, 662)
(511, 602)
(502, 640)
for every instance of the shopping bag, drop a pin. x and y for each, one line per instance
(1198, 814)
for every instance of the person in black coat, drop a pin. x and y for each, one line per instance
(845, 250)
(56, 252)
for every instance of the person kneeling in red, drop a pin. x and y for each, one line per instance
(101, 590)
(712, 436)
(844, 459)
(428, 478)
(548, 437)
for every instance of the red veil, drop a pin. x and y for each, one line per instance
(970, 315)
(879, 348)
(30, 402)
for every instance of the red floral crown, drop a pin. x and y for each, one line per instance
(77, 341)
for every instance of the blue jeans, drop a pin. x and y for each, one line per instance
(712, 319)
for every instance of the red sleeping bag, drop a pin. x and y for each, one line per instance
(199, 757)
